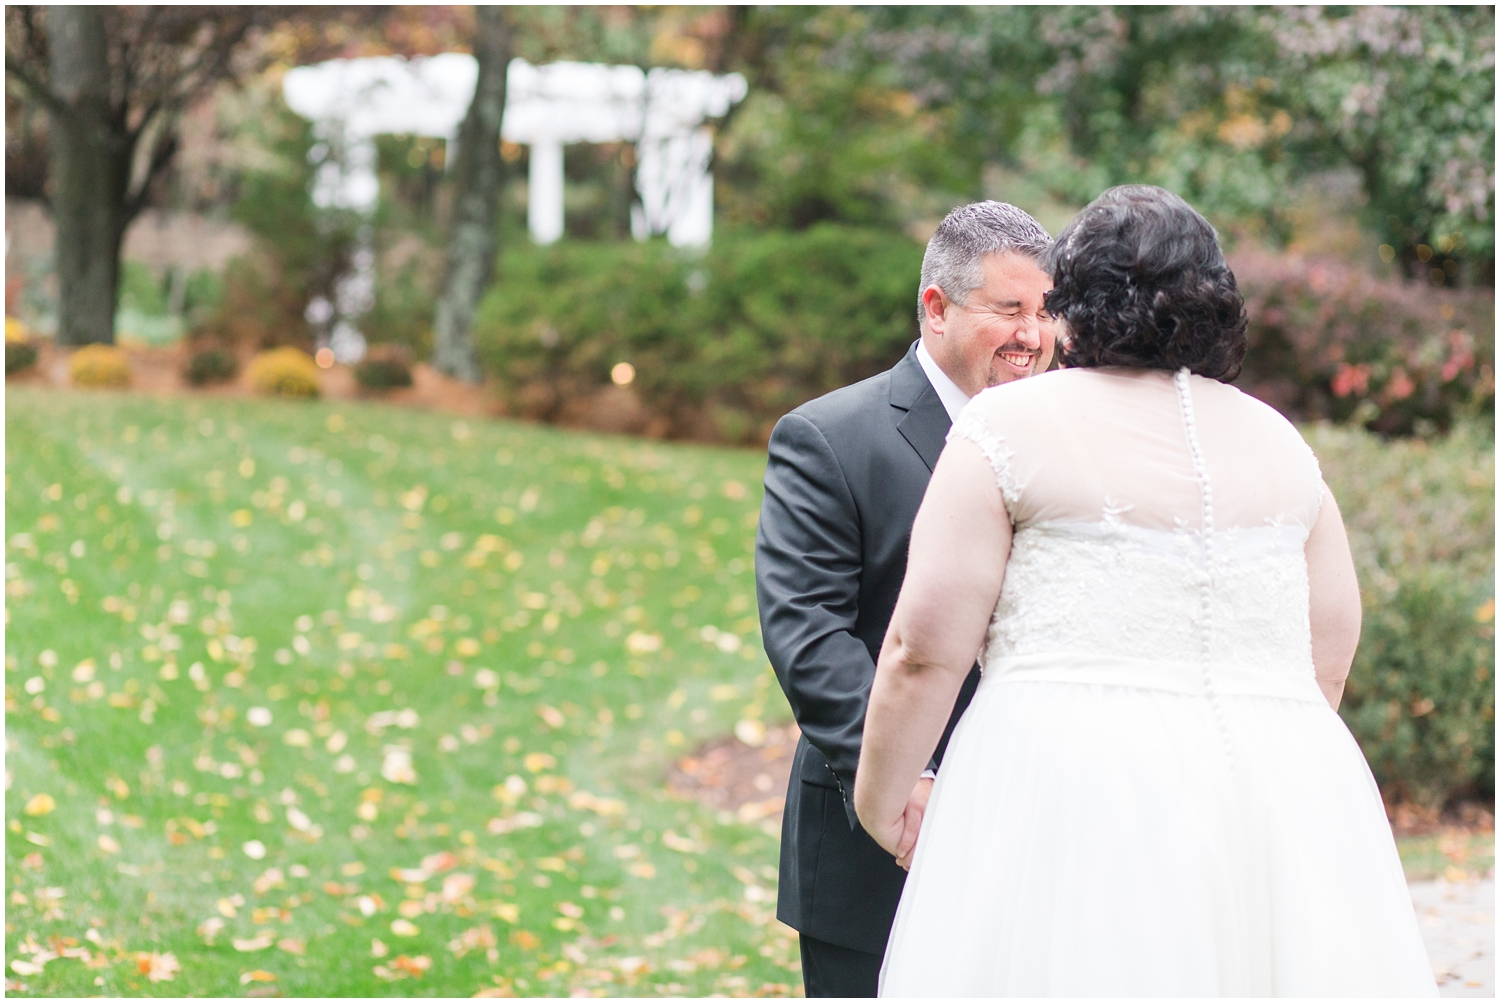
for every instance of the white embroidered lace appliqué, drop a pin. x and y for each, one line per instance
(973, 427)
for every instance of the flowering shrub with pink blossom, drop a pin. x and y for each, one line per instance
(1328, 340)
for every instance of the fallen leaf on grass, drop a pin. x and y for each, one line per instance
(473, 939)
(251, 943)
(522, 820)
(402, 967)
(396, 765)
(256, 976)
(584, 801)
(456, 886)
(41, 804)
(536, 762)
(158, 967)
(272, 878)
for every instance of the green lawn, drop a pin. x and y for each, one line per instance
(341, 699)
(1454, 856)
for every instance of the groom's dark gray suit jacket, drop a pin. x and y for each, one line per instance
(844, 478)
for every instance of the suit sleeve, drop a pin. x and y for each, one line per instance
(807, 574)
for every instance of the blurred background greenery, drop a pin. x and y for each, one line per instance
(1346, 156)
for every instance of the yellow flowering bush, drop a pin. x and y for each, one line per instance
(100, 366)
(284, 372)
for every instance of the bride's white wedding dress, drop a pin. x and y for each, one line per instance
(1149, 794)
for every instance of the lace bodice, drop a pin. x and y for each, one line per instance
(1155, 517)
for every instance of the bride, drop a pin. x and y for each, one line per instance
(1151, 793)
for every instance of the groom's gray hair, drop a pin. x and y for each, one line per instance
(954, 260)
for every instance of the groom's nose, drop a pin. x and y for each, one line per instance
(1029, 333)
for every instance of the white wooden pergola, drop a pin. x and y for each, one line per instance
(663, 112)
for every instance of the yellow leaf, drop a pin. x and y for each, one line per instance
(41, 804)
(536, 762)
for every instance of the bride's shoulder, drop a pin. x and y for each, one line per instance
(1249, 408)
(1032, 391)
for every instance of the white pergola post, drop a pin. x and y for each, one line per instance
(544, 194)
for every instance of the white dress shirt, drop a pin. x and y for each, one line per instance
(954, 400)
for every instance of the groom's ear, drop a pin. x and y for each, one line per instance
(935, 309)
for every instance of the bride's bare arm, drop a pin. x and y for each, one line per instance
(1333, 606)
(959, 545)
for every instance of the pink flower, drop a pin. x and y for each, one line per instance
(1353, 379)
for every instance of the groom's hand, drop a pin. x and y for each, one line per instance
(916, 807)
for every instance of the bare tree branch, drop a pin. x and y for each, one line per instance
(161, 155)
(34, 86)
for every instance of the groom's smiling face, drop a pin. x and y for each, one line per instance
(1000, 332)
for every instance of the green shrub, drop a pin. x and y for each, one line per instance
(284, 372)
(141, 289)
(211, 364)
(384, 367)
(20, 353)
(722, 345)
(405, 305)
(1421, 520)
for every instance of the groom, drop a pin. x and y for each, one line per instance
(845, 475)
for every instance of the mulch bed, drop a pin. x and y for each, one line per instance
(729, 775)
(158, 371)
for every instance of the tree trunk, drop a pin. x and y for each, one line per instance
(90, 166)
(477, 174)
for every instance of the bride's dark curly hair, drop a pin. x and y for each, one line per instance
(1139, 280)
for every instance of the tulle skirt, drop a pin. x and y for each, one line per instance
(1091, 839)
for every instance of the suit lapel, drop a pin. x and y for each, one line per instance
(926, 427)
(926, 423)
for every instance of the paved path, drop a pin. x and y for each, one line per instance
(1458, 923)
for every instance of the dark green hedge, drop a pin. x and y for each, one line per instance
(723, 344)
(726, 343)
